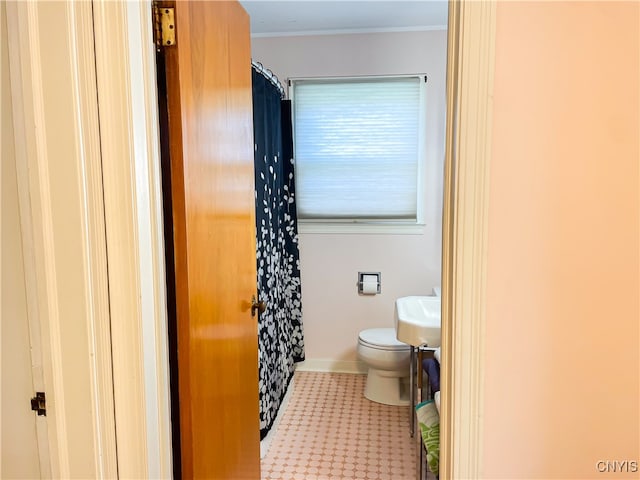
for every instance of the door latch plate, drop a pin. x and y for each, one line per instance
(39, 404)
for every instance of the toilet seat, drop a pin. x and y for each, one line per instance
(381, 339)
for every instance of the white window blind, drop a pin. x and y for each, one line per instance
(357, 148)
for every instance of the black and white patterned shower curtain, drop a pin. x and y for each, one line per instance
(280, 339)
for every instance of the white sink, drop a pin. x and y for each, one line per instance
(418, 320)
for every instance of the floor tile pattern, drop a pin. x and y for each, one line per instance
(329, 431)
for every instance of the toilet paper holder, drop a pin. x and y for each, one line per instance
(365, 279)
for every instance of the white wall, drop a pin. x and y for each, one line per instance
(333, 312)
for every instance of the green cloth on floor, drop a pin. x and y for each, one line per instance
(429, 423)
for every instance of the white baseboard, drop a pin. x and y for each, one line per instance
(331, 365)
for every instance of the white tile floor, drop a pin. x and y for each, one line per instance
(330, 431)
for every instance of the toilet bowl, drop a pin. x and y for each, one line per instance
(388, 362)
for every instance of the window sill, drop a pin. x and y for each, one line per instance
(359, 228)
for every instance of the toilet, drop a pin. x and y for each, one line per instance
(388, 362)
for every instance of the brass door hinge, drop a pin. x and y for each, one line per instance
(164, 26)
(39, 403)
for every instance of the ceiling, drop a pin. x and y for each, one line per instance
(290, 17)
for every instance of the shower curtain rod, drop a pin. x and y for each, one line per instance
(269, 75)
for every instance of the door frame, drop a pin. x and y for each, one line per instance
(133, 213)
(470, 69)
(127, 95)
(53, 83)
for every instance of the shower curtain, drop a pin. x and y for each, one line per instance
(280, 342)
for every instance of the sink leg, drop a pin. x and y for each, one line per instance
(412, 392)
(419, 448)
(420, 457)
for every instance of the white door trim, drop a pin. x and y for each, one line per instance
(27, 235)
(470, 68)
(127, 95)
(59, 180)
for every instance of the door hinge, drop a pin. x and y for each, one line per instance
(39, 403)
(164, 31)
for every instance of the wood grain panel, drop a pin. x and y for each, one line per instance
(211, 143)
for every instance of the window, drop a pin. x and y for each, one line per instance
(358, 149)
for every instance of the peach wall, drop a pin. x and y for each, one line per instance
(562, 354)
(333, 312)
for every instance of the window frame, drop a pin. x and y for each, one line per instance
(373, 226)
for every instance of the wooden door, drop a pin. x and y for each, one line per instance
(209, 102)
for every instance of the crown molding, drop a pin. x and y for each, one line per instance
(352, 31)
